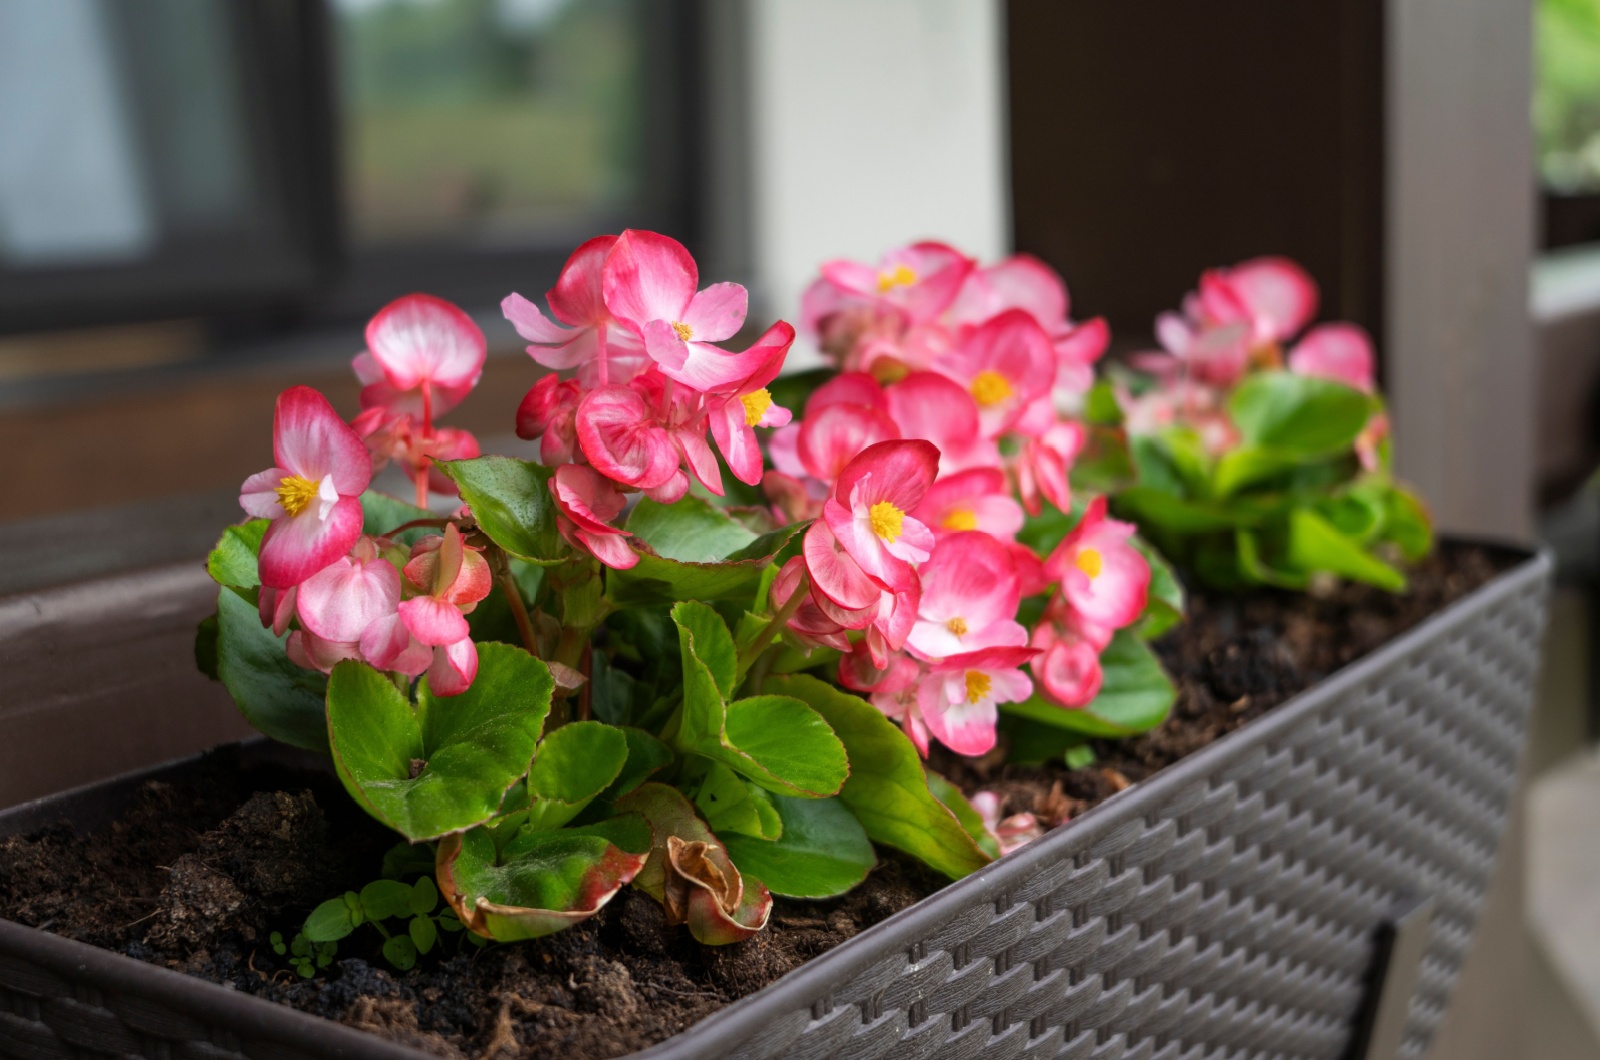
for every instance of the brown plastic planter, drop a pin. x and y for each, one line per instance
(1303, 887)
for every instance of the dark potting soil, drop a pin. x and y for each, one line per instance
(200, 870)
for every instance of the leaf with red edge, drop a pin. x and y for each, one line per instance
(690, 873)
(542, 882)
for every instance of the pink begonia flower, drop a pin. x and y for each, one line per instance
(682, 414)
(1216, 355)
(969, 598)
(451, 577)
(920, 280)
(423, 344)
(976, 499)
(1024, 282)
(932, 406)
(586, 503)
(1076, 353)
(958, 698)
(809, 625)
(310, 652)
(593, 341)
(1102, 576)
(848, 388)
(1274, 296)
(619, 435)
(835, 575)
(1006, 364)
(649, 281)
(312, 494)
(1013, 832)
(548, 412)
(870, 506)
(1069, 668)
(1340, 352)
(340, 601)
(748, 406)
(901, 706)
(1042, 466)
(276, 608)
(829, 440)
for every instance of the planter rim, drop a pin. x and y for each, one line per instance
(740, 1021)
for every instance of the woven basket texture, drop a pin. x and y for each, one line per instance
(1227, 907)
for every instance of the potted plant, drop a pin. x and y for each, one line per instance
(649, 675)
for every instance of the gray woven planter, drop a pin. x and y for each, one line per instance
(1234, 904)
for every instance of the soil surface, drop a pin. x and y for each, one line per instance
(200, 870)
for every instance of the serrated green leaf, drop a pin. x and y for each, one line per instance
(823, 850)
(541, 882)
(1135, 695)
(511, 501)
(703, 636)
(730, 803)
(447, 765)
(275, 696)
(888, 788)
(957, 803)
(233, 561)
(693, 551)
(572, 766)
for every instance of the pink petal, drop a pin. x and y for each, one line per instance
(388, 645)
(664, 345)
(611, 549)
(737, 441)
(834, 573)
(310, 440)
(1070, 672)
(717, 312)
(702, 462)
(900, 473)
(648, 276)
(534, 325)
(432, 621)
(914, 544)
(578, 297)
(296, 548)
(619, 436)
(276, 608)
(1280, 295)
(258, 496)
(420, 338)
(671, 491)
(1340, 352)
(964, 728)
(837, 434)
(587, 498)
(848, 388)
(709, 368)
(340, 601)
(1084, 344)
(454, 667)
(932, 406)
(313, 653)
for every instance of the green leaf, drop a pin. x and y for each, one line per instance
(1033, 743)
(1408, 524)
(423, 933)
(1163, 608)
(693, 551)
(424, 898)
(382, 899)
(1298, 415)
(776, 741)
(511, 501)
(646, 754)
(888, 788)
(1080, 757)
(329, 921)
(401, 952)
(573, 765)
(205, 647)
(404, 861)
(1100, 405)
(382, 514)
(1250, 464)
(823, 850)
(1314, 545)
(233, 561)
(957, 804)
(1253, 565)
(277, 697)
(1135, 696)
(730, 803)
(542, 882)
(1149, 505)
(447, 765)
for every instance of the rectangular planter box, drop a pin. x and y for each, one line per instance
(1236, 901)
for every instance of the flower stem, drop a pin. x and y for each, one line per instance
(773, 628)
(501, 566)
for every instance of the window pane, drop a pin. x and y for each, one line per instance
(1567, 94)
(488, 121)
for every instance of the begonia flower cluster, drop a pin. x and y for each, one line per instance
(948, 424)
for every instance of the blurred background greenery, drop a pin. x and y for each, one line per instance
(1566, 101)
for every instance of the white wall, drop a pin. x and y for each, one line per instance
(872, 123)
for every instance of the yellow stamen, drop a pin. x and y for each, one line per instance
(296, 493)
(978, 684)
(685, 332)
(899, 276)
(755, 406)
(957, 625)
(961, 519)
(886, 520)
(990, 388)
(1090, 561)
